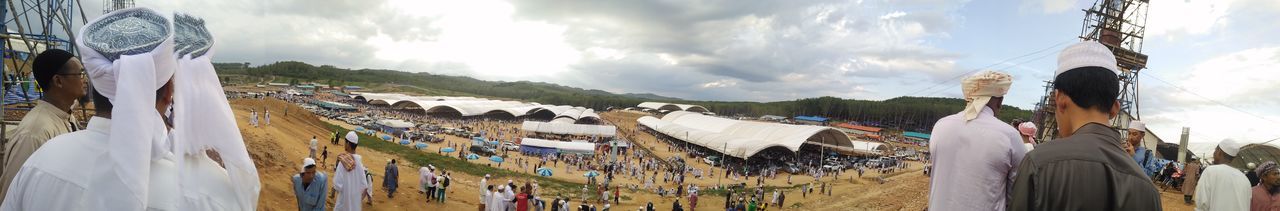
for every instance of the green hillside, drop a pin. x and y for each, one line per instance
(909, 113)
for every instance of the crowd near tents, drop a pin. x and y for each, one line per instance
(742, 139)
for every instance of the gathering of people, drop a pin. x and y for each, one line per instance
(982, 163)
(175, 144)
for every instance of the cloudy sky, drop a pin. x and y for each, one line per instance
(1211, 65)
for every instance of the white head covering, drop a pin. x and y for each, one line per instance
(128, 55)
(1137, 125)
(352, 137)
(979, 88)
(1086, 54)
(202, 116)
(1230, 146)
(308, 162)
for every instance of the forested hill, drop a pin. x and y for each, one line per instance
(909, 113)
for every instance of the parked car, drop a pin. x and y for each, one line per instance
(482, 150)
(792, 169)
(713, 160)
(510, 146)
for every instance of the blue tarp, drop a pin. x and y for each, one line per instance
(811, 118)
(18, 95)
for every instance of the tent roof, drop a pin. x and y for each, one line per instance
(741, 138)
(916, 135)
(811, 118)
(673, 106)
(570, 129)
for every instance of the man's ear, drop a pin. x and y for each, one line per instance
(1115, 109)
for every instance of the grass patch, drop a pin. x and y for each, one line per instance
(453, 164)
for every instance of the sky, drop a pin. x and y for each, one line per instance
(1208, 70)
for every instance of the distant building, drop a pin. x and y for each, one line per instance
(917, 137)
(811, 120)
(873, 133)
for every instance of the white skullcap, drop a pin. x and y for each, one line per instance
(486, 175)
(1086, 54)
(1230, 146)
(352, 137)
(1137, 125)
(979, 88)
(128, 55)
(308, 162)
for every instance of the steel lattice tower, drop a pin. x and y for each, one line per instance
(1120, 25)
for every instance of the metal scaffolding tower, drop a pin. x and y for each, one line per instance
(1120, 25)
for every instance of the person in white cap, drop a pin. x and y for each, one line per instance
(1086, 167)
(216, 170)
(349, 179)
(974, 152)
(309, 187)
(1222, 187)
(128, 55)
(1133, 143)
(1028, 131)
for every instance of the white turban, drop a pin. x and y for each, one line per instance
(202, 115)
(1086, 54)
(979, 88)
(128, 55)
(1138, 126)
(1230, 146)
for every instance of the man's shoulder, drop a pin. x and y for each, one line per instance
(76, 147)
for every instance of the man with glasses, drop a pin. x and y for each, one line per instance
(61, 76)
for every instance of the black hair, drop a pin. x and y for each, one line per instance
(1089, 87)
(100, 102)
(47, 64)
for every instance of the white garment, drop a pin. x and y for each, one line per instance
(1222, 187)
(496, 202)
(974, 162)
(206, 186)
(54, 177)
(1029, 146)
(313, 145)
(350, 184)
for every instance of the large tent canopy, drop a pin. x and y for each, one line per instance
(472, 106)
(570, 129)
(562, 146)
(673, 107)
(742, 139)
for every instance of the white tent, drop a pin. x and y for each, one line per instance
(395, 123)
(742, 138)
(570, 129)
(563, 146)
(672, 106)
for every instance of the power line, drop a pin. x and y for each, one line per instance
(1015, 64)
(988, 66)
(1208, 99)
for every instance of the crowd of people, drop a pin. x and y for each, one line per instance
(982, 163)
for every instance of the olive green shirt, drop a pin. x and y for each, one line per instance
(1088, 170)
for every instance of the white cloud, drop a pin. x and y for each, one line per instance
(1241, 80)
(1173, 19)
(1049, 6)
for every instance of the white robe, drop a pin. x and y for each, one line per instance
(1222, 187)
(206, 186)
(350, 185)
(974, 162)
(55, 176)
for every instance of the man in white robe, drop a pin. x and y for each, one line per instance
(128, 55)
(1222, 187)
(975, 154)
(349, 179)
(216, 170)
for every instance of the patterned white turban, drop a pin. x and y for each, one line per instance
(979, 88)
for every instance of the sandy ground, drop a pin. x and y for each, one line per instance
(278, 150)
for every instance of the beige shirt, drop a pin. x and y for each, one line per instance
(42, 123)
